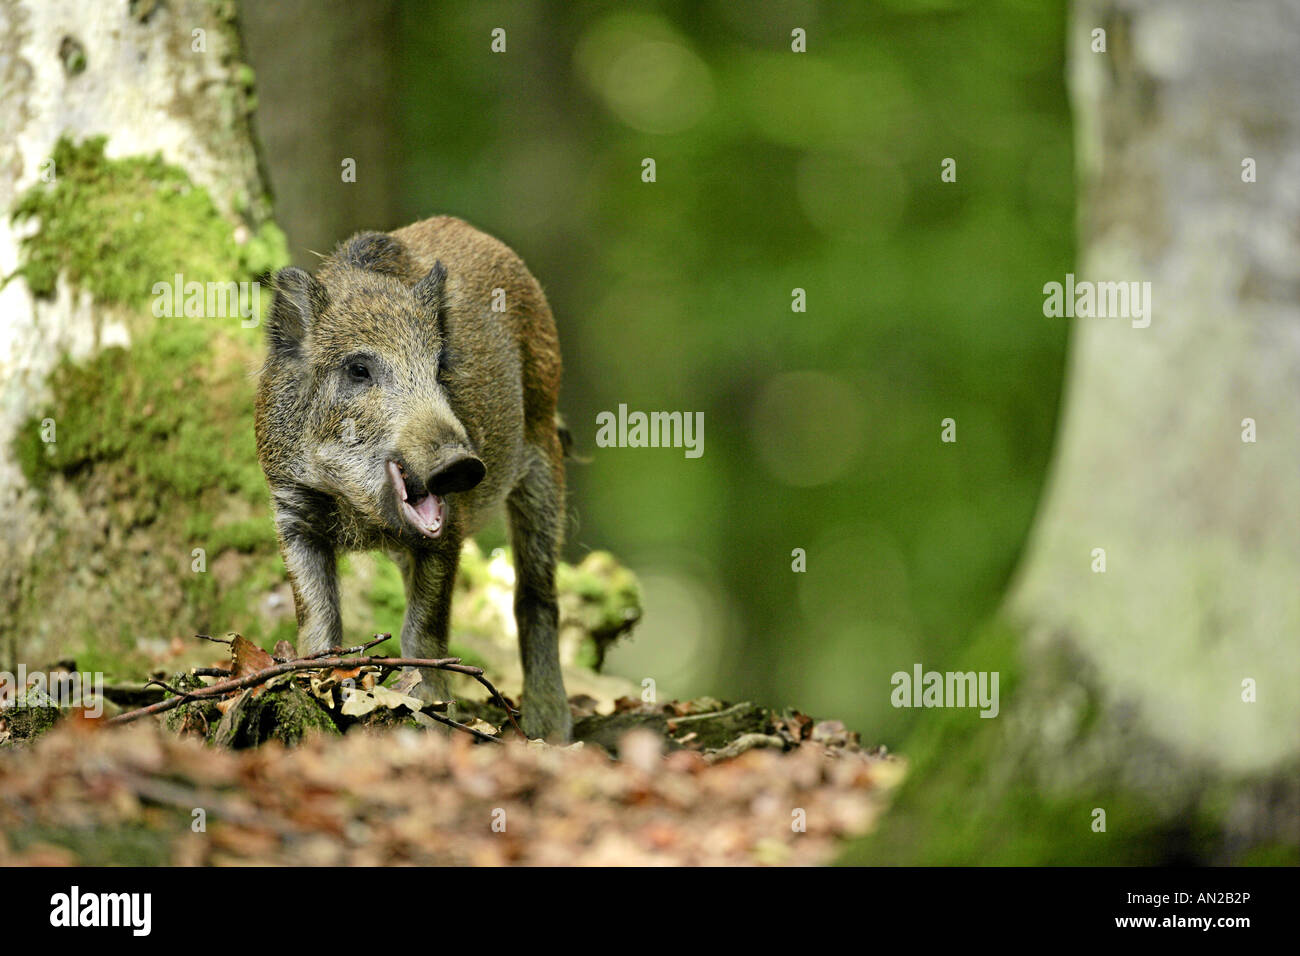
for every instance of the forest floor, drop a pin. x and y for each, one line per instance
(332, 767)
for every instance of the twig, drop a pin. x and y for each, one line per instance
(743, 743)
(165, 686)
(258, 677)
(712, 714)
(316, 663)
(210, 672)
(443, 719)
(337, 651)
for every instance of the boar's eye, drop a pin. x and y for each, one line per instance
(358, 371)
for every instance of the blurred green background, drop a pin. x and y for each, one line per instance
(776, 170)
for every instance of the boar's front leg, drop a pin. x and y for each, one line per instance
(429, 577)
(536, 510)
(310, 561)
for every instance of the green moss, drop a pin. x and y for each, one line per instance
(215, 607)
(246, 79)
(973, 795)
(285, 713)
(953, 809)
(93, 657)
(604, 598)
(180, 422)
(266, 252)
(589, 656)
(474, 572)
(73, 56)
(193, 717)
(607, 589)
(179, 430)
(249, 536)
(116, 227)
(154, 441)
(31, 720)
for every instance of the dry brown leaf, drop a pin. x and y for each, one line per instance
(247, 658)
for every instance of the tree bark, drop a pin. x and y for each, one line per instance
(1131, 689)
(154, 78)
(1201, 529)
(326, 94)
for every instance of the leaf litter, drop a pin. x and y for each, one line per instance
(376, 778)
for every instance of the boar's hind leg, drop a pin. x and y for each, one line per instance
(536, 509)
(311, 566)
(429, 577)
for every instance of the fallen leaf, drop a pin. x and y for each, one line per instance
(247, 658)
(406, 681)
(387, 697)
(358, 703)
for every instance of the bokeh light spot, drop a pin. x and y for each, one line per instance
(645, 74)
(808, 427)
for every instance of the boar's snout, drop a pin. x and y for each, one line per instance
(459, 471)
(421, 501)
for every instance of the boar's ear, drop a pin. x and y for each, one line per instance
(429, 290)
(376, 251)
(298, 297)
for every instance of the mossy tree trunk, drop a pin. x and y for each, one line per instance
(1164, 690)
(125, 437)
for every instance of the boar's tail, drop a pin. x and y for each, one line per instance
(566, 441)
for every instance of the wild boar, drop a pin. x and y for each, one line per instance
(409, 390)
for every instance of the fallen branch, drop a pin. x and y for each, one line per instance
(318, 662)
(333, 651)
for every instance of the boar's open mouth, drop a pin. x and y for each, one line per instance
(424, 510)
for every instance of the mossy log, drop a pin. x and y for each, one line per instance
(286, 713)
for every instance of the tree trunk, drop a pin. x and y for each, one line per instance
(326, 95)
(99, 398)
(1164, 690)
